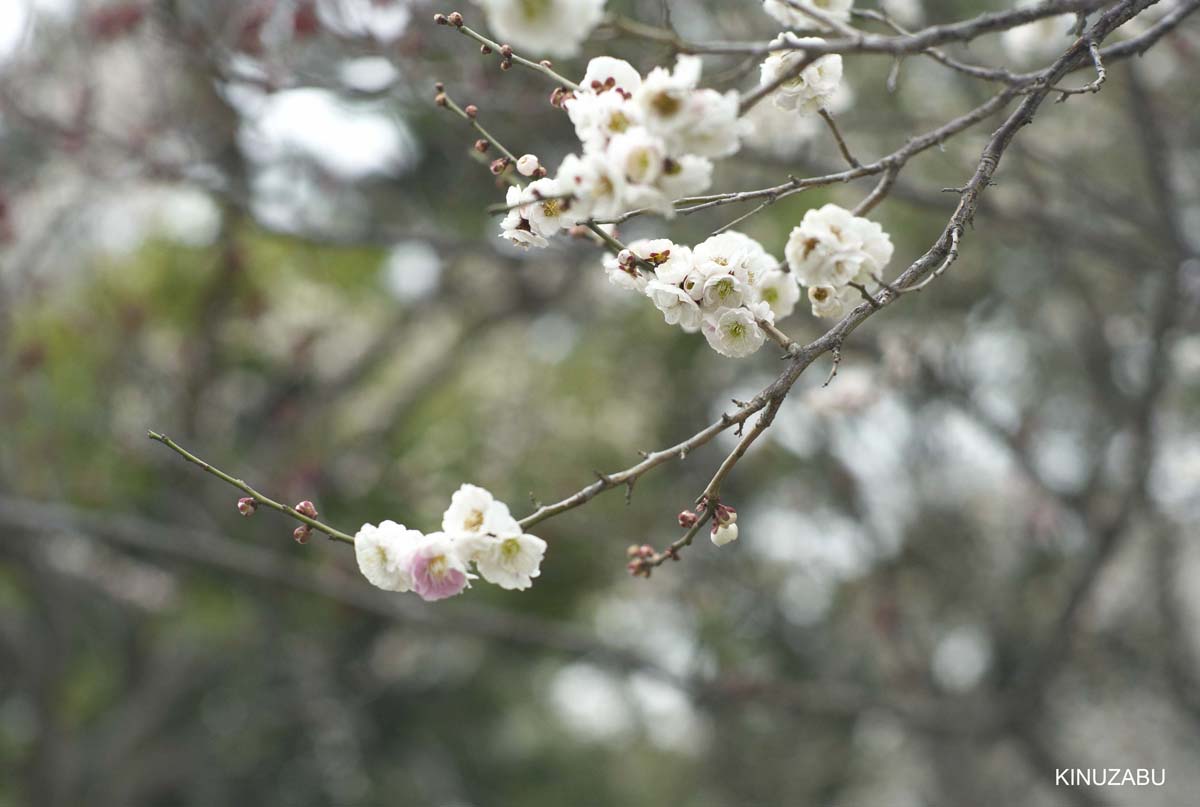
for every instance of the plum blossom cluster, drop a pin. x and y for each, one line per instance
(810, 90)
(644, 143)
(833, 253)
(727, 287)
(476, 530)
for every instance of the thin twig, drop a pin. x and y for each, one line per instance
(259, 498)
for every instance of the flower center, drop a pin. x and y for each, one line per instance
(737, 330)
(617, 122)
(438, 567)
(724, 288)
(510, 548)
(474, 521)
(665, 104)
(532, 9)
(550, 208)
(770, 295)
(820, 294)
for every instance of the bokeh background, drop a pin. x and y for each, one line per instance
(969, 560)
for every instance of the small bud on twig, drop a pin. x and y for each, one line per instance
(485, 49)
(527, 164)
(440, 99)
(498, 166)
(246, 506)
(455, 19)
(301, 533)
(688, 519)
(482, 146)
(471, 110)
(307, 508)
(441, 19)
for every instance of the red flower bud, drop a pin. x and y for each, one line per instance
(688, 519)
(246, 506)
(301, 533)
(307, 508)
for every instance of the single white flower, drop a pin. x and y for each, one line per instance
(474, 511)
(779, 290)
(598, 187)
(599, 117)
(787, 14)
(437, 568)
(510, 562)
(545, 27)
(729, 252)
(723, 291)
(662, 100)
(733, 332)
(604, 73)
(625, 274)
(686, 175)
(676, 305)
(517, 229)
(712, 127)
(672, 262)
(829, 302)
(383, 553)
(809, 90)
(724, 534)
(547, 211)
(527, 164)
(637, 154)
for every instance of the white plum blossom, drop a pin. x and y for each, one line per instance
(436, 568)
(600, 116)
(790, 16)
(598, 188)
(779, 290)
(510, 561)
(827, 301)
(831, 246)
(808, 91)
(548, 212)
(685, 176)
(474, 511)
(676, 305)
(734, 332)
(383, 552)
(724, 291)
(548, 27)
(606, 73)
(514, 227)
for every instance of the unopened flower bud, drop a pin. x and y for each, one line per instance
(540, 172)
(724, 514)
(307, 508)
(506, 51)
(440, 99)
(438, 86)
(527, 164)
(724, 533)
(558, 95)
(498, 166)
(471, 110)
(546, 63)
(485, 49)
(688, 519)
(301, 533)
(441, 19)
(506, 64)
(482, 146)
(455, 19)
(246, 506)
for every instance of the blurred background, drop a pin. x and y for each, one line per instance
(968, 561)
